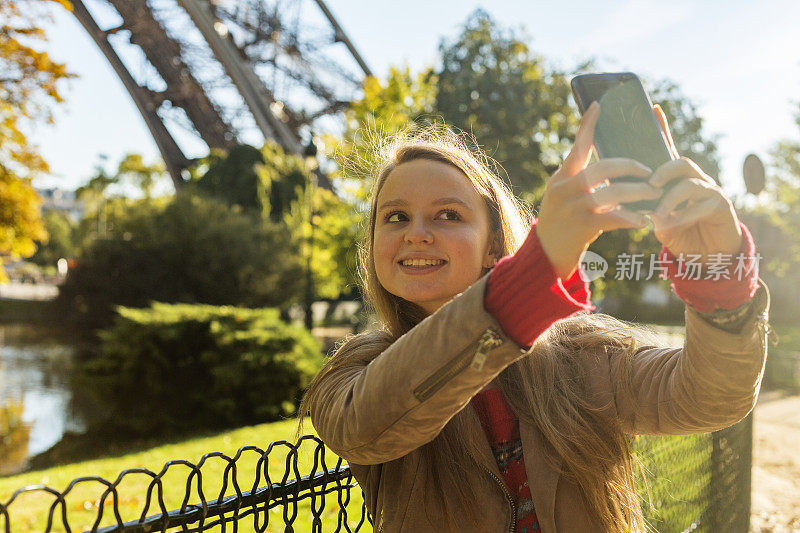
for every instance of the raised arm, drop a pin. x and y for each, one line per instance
(714, 380)
(709, 384)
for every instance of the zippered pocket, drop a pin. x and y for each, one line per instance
(489, 340)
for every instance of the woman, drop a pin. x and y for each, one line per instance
(489, 399)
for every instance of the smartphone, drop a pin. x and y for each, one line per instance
(627, 126)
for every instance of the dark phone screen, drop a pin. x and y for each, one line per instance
(627, 126)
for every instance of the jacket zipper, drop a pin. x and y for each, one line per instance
(488, 341)
(507, 494)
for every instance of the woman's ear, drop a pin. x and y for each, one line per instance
(493, 255)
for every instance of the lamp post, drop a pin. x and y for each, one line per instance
(310, 156)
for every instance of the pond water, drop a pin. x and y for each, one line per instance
(34, 380)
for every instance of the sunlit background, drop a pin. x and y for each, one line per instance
(255, 264)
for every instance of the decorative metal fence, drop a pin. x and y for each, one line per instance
(696, 483)
(232, 508)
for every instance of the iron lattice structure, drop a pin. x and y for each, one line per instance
(227, 71)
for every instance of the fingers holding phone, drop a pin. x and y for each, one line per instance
(692, 214)
(576, 208)
(629, 126)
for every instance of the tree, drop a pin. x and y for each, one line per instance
(283, 180)
(232, 176)
(273, 185)
(334, 241)
(492, 85)
(20, 222)
(144, 176)
(61, 242)
(28, 81)
(385, 108)
(95, 197)
(187, 249)
(781, 207)
(28, 86)
(266, 181)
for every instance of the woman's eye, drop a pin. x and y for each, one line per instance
(390, 216)
(398, 216)
(451, 213)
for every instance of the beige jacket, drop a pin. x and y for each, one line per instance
(378, 413)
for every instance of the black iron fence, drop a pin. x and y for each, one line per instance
(695, 483)
(294, 502)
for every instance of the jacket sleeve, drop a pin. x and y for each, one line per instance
(375, 412)
(710, 383)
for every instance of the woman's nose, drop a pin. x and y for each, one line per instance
(418, 231)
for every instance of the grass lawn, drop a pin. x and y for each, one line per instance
(29, 512)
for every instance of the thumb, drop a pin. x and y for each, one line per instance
(578, 157)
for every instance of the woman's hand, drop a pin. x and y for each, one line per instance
(574, 212)
(708, 223)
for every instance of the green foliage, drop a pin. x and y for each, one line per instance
(61, 243)
(233, 178)
(385, 109)
(185, 249)
(265, 181)
(781, 206)
(284, 177)
(335, 240)
(492, 85)
(176, 368)
(273, 184)
(144, 176)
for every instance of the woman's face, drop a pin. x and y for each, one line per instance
(431, 233)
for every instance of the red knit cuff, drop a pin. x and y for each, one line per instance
(727, 285)
(525, 295)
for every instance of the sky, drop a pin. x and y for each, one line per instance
(738, 61)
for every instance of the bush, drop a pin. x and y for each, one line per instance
(187, 250)
(177, 368)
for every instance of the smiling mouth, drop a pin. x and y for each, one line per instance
(422, 262)
(421, 267)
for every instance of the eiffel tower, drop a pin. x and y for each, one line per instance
(228, 71)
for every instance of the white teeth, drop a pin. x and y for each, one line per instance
(422, 262)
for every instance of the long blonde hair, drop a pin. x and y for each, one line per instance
(545, 388)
